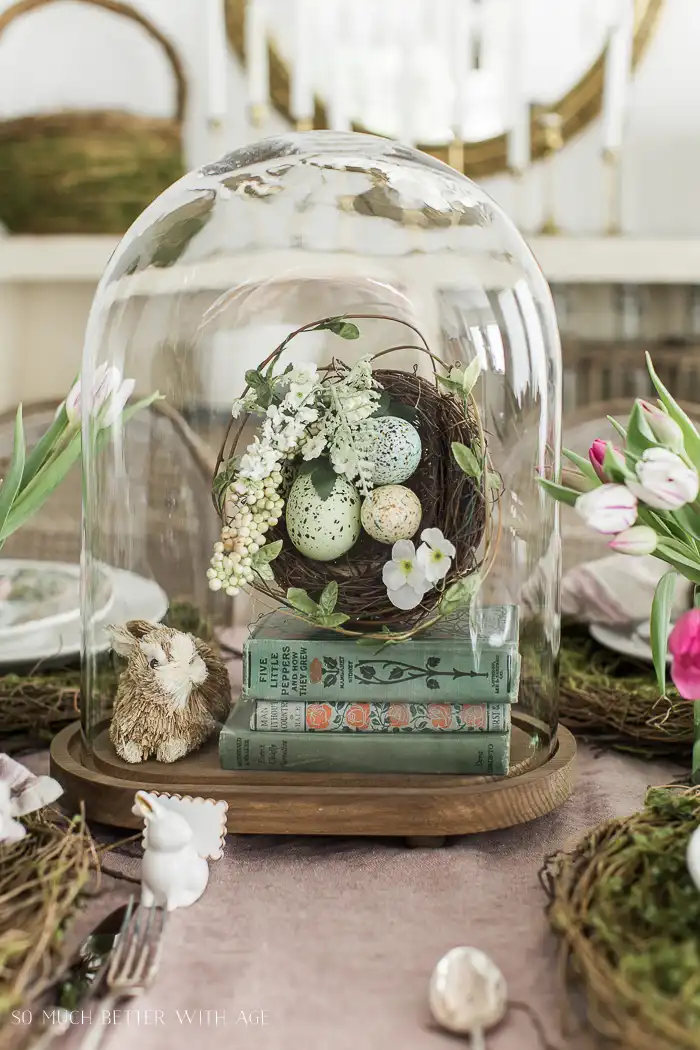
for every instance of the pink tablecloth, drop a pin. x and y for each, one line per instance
(328, 944)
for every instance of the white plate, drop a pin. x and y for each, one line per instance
(133, 597)
(37, 596)
(627, 644)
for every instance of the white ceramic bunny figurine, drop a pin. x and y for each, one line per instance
(21, 792)
(173, 875)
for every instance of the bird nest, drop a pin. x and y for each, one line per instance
(453, 500)
(624, 905)
(614, 701)
(450, 500)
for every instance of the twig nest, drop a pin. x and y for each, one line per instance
(323, 529)
(468, 992)
(391, 513)
(393, 447)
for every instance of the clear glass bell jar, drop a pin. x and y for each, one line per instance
(359, 368)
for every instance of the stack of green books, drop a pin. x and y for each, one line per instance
(315, 701)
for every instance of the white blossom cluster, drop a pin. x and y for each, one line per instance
(309, 419)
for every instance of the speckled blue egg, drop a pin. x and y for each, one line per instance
(392, 445)
(323, 529)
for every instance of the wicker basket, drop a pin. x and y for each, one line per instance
(92, 171)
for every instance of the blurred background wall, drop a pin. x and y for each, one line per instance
(76, 56)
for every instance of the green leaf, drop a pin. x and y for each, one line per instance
(254, 379)
(41, 487)
(660, 622)
(403, 411)
(459, 594)
(640, 436)
(267, 553)
(10, 485)
(615, 467)
(43, 447)
(263, 570)
(559, 492)
(332, 619)
(679, 559)
(471, 375)
(451, 384)
(300, 600)
(583, 464)
(691, 437)
(329, 598)
(618, 427)
(345, 329)
(466, 460)
(308, 466)
(323, 478)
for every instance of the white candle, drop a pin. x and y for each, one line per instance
(302, 69)
(217, 56)
(257, 66)
(461, 62)
(517, 105)
(618, 69)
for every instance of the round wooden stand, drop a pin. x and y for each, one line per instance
(424, 809)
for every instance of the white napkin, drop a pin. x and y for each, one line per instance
(618, 590)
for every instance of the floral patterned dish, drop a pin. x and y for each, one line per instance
(40, 595)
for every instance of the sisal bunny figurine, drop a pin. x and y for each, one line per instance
(173, 875)
(172, 693)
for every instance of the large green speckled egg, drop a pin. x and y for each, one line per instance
(392, 445)
(323, 529)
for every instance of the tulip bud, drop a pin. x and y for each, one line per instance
(596, 454)
(664, 482)
(640, 539)
(609, 508)
(666, 431)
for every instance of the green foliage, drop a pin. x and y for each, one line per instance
(691, 437)
(260, 561)
(10, 485)
(466, 460)
(386, 406)
(459, 595)
(322, 612)
(583, 464)
(560, 492)
(661, 609)
(338, 326)
(323, 477)
(261, 385)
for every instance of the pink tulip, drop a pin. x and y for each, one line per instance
(596, 454)
(684, 646)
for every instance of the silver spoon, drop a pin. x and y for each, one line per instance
(468, 994)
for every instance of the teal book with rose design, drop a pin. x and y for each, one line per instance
(459, 660)
(241, 747)
(352, 716)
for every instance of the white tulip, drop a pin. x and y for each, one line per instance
(664, 482)
(608, 508)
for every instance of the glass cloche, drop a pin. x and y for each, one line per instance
(358, 371)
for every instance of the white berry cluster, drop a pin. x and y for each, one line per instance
(254, 507)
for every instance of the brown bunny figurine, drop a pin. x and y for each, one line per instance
(172, 694)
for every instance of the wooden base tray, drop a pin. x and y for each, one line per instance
(415, 806)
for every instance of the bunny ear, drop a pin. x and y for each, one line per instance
(124, 636)
(144, 805)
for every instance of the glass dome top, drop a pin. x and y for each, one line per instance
(359, 370)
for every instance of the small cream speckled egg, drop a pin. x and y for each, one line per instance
(391, 513)
(392, 445)
(322, 529)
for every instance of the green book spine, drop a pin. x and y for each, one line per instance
(298, 716)
(241, 747)
(341, 669)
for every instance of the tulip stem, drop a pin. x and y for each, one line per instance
(695, 770)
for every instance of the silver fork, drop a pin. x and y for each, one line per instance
(132, 966)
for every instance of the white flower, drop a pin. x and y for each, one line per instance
(258, 461)
(314, 446)
(435, 555)
(608, 508)
(303, 374)
(244, 404)
(108, 392)
(289, 437)
(405, 582)
(665, 481)
(307, 414)
(640, 539)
